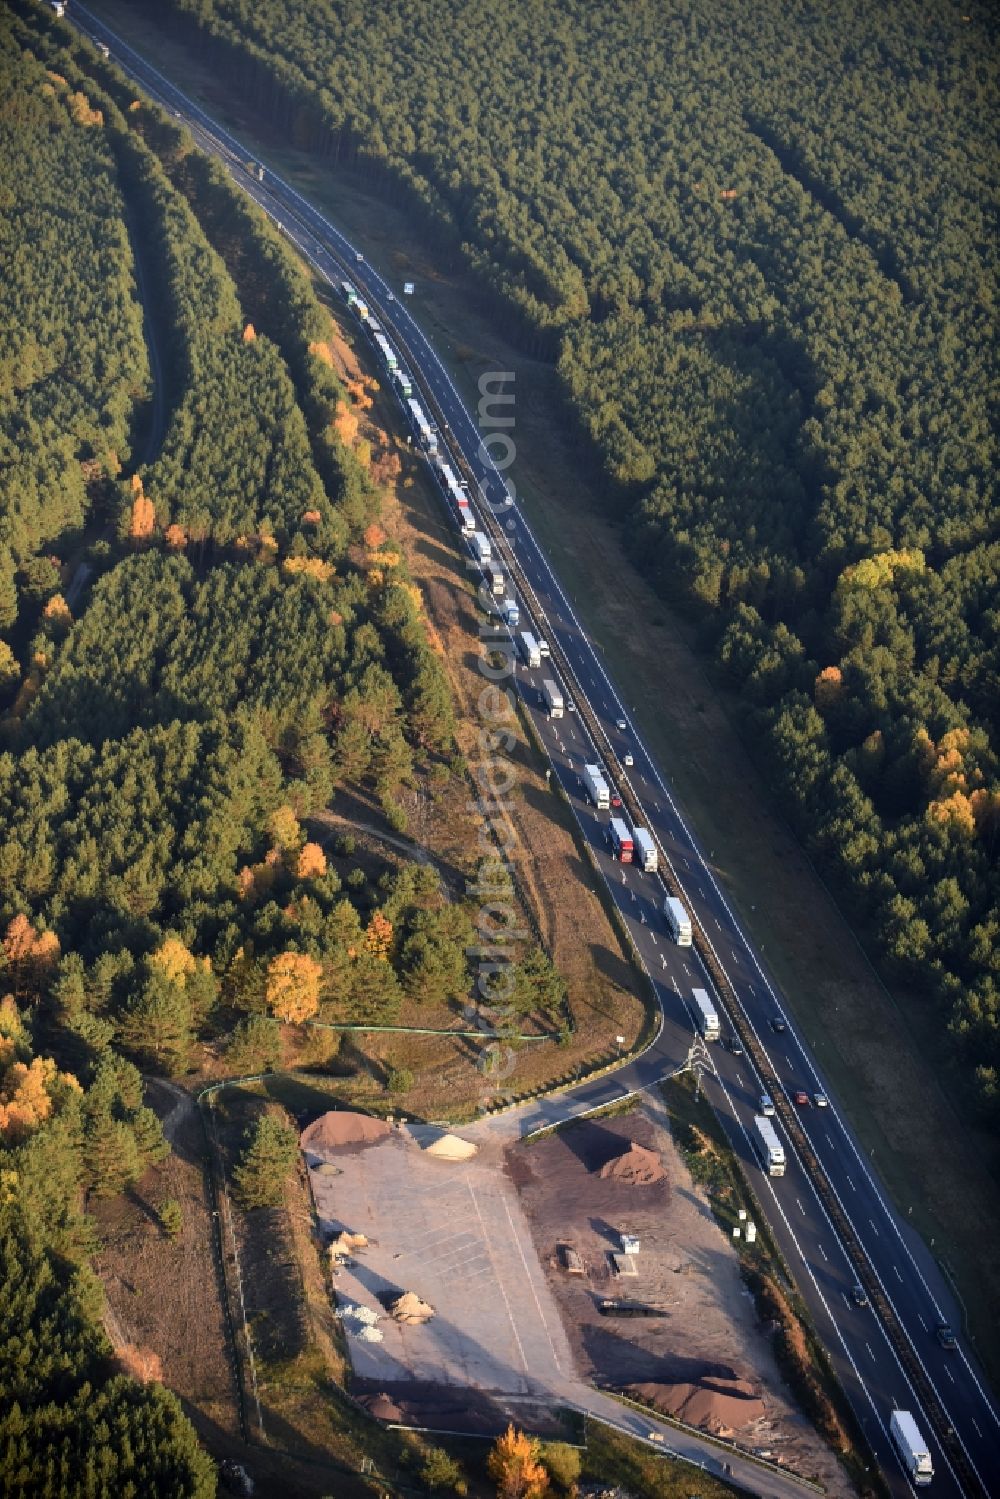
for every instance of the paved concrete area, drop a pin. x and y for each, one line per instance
(454, 1233)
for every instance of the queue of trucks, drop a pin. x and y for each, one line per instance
(628, 846)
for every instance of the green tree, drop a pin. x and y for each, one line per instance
(440, 1472)
(171, 1218)
(270, 1150)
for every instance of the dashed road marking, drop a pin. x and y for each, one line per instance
(824, 1253)
(850, 1183)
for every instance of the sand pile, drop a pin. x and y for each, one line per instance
(715, 1404)
(451, 1148)
(346, 1243)
(634, 1167)
(338, 1129)
(410, 1310)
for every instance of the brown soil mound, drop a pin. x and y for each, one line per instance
(382, 1407)
(338, 1129)
(411, 1311)
(634, 1167)
(714, 1405)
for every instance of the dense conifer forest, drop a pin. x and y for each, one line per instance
(756, 238)
(204, 634)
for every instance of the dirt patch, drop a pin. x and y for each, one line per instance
(164, 1304)
(705, 1349)
(723, 1406)
(342, 1130)
(443, 1408)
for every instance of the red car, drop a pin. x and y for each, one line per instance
(616, 800)
(801, 1098)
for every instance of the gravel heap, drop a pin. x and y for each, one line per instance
(634, 1167)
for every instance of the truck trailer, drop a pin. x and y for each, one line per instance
(912, 1448)
(511, 613)
(705, 1014)
(528, 646)
(597, 787)
(678, 921)
(481, 546)
(387, 351)
(621, 840)
(403, 383)
(552, 698)
(645, 850)
(769, 1148)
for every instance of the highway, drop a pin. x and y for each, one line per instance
(862, 1354)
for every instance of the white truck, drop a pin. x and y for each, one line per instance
(511, 613)
(480, 544)
(622, 847)
(403, 383)
(543, 646)
(597, 787)
(769, 1148)
(645, 850)
(528, 646)
(552, 698)
(678, 921)
(387, 351)
(706, 1015)
(912, 1448)
(496, 580)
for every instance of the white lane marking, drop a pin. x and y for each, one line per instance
(949, 1374)
(923, 1324)
(869, 1347)
(874, 1229)
(849, 1182)
(897, 1274)
(800, 1207)
(978, 1432)
(826, 1137)
(824, 1253)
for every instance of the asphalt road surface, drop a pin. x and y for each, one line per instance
(865, 1361)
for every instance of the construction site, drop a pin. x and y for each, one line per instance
(481, 1279)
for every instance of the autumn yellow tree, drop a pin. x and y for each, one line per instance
(143, 517)
(378, 936)
(293, 981)
(515, 1467)
(174, 959)
(312, 862)
(31, 955)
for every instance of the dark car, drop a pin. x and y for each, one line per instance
(801, 1098)
(778, 1026)
(858, 1296)
(945, 1335)
(735, 1045)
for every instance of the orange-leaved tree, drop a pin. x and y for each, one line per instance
(31, 955)
(515, 1466)
(312, 862)
(293, 981)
